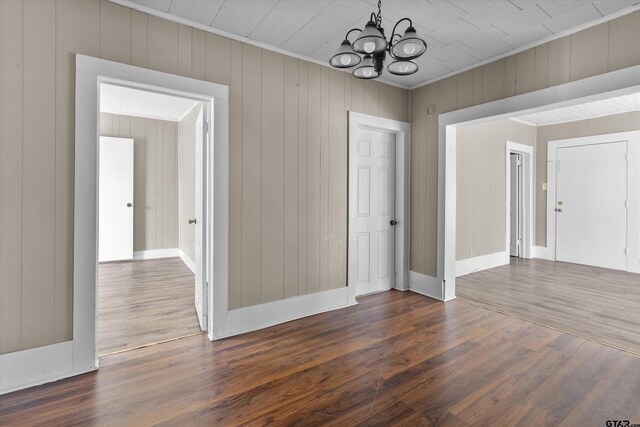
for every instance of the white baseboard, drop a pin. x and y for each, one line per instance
(262, 316)
(425, 285)
(484, 262)
(35, 366)
(540, 252)
(157, 253)
(187, 261)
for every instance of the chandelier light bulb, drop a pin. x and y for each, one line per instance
(369, 47)
(367, 72)
(345, 60)
(404, 68)
(409, 48)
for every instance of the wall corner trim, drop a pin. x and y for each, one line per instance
(187, 261)
(39, 365)
(428, 286)
(156, 254)
(483, 262)
(540, 252)
(260, 316)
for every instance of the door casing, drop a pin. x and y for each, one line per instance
(402, 185)
(526, 151)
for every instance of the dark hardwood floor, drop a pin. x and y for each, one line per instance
(144, 302)
(591, 302)
(396, 358)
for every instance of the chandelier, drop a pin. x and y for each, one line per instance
(373, 46)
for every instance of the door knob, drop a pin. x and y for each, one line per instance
(129, 205)
(192, 221)
(393, 222)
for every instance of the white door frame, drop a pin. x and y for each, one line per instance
(39, 365)
(402, 131)
(614, 83)
(90, 72)
(633, 189)
(526, 248)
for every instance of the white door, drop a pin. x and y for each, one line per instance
(515, 207)
(591, 208)
(200, 285)
(374, 208)
(115, 200)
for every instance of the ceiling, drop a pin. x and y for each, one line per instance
(589, 110)
(459, 33)
(141, 103)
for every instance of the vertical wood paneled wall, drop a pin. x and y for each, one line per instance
(481, 175)
(606, 47)
(288, 147)
(155, 170)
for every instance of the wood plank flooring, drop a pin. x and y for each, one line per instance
(394, 359)
(591, 302)
(144, 302)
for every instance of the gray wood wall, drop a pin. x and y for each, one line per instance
(606, 47)
(481, 183)
(288, 145)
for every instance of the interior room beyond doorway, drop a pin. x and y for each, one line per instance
(147, 217)
(585, 226)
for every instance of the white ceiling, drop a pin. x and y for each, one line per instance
(459, 33)
(605, 107)
(140, 103)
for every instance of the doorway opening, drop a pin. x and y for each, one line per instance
(150, 217)
(379, 154)
(587, 187)
(515, 204)
(519, 199)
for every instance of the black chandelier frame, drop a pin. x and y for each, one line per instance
(402, 65)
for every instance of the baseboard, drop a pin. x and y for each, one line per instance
(157, 253)
(425, 285)
(187, 261)
(540, 252)
(484, 262)
(35, 366)
(262, 316)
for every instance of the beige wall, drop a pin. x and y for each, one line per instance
(288, 130)
(288, 145)
(481, 185)
(155, 170)
(605, 47)
(602, 125)
(187, 182)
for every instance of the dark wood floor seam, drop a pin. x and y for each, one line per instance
(477, 304)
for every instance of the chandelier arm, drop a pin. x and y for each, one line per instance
(346, 37)
(393, 33)
(390, 52)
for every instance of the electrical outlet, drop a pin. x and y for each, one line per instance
(544, 186)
